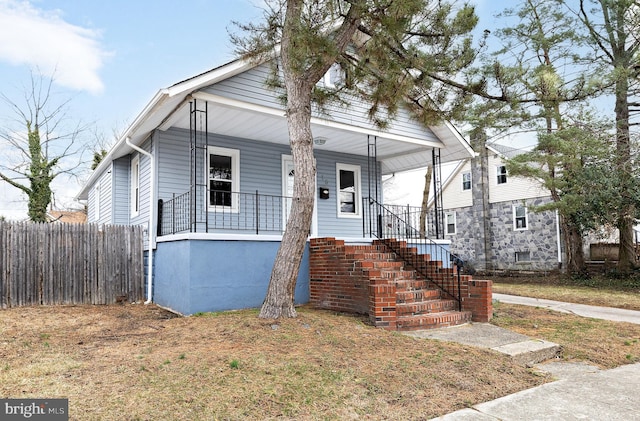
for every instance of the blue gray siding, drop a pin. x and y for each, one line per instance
(104, 184)
(121, 190)
(260, 170)
(250, 87)
(194, 276)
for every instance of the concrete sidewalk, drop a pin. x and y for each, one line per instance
(582, 391)
(595, 312)
(591, 395)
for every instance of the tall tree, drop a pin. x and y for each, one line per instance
(42, 145)
(612, 26)
(390, 51)
(574, 165)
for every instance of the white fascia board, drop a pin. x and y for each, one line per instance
(229, 102)
(447, 130)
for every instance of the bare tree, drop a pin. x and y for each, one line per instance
(40, 144)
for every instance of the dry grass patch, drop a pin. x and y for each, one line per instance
(603, 343)
(141, 363)
(620, 293)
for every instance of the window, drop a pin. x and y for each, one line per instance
(224, 179)
(135, 185)
(466, 181)
(502, 174)
(334, 76)
(450, 221)
(348, 180)
(519, 218)
(523, 256)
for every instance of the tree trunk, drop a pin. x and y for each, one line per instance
(425, 201)
(279, 301)
(626, 256)
(574, 252)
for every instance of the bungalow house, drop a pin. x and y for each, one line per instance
(480, 196)
(206, 169)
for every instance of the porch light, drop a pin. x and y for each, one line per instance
(319, 141)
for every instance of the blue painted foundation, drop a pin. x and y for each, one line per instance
(194, 276)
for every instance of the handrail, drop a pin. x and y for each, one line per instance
(254, 213)
(386, 225)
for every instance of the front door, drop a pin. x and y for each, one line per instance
(288, 175)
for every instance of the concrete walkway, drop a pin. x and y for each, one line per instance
(595, 312)
(582, 391)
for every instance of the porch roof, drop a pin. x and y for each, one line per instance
(170, 108)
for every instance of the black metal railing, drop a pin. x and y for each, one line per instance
(412, 215)
(382, 223)
(227, 211)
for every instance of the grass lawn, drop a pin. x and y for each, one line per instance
(600, 291)
(137, 362)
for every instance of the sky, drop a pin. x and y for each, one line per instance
(109, 58)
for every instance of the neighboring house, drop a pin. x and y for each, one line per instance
(488, 219)
(206, 168)
(69, 217)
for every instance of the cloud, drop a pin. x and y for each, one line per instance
(43, 40)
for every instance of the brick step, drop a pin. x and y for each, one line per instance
(411, 283)
(365, 249)
(433, 321)
(379, 264)
(388, 274)
(426, 307)
(371, 255)
(417, 295)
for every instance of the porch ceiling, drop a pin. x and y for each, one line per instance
(241, 120)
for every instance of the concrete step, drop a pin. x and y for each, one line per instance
(522, 349)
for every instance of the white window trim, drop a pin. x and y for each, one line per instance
(526, 218)
(135, 186)
(498, 174)
(235, 177)
(446, 224)
(470, 180)
(358, 193)
(518, 253)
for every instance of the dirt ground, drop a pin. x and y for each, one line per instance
(136, 362)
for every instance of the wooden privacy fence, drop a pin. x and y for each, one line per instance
(70, 264)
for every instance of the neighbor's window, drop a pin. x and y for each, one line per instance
(334, 76)
(466, 181)
(135, 185)
(348, 180)
(450, 221)
(523, 256)
(519, 217)
(502, 174)
(224, 179)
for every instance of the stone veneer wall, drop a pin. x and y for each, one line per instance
(540, 239)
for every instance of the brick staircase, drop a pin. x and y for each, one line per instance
(344, 276)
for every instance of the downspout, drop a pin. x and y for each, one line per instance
(151, 227)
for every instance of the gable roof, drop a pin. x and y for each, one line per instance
(169, 108)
